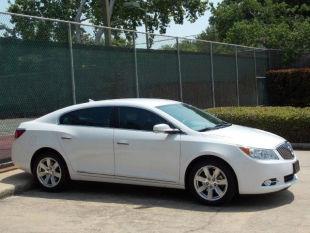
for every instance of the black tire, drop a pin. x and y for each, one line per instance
(64, 177)
(231, 189)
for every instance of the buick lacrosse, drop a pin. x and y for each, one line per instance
(153, 142)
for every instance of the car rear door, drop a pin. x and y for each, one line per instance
(142, 153)
(87, 137)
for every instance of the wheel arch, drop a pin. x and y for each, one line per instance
(39, 152)
(208, 157)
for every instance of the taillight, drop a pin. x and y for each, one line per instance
(19, 132)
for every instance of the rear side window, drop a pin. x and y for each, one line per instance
(138, 119)
(97, 116)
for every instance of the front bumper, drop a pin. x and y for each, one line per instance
(254, 172)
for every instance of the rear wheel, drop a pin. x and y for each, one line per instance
(212, 182)
(50, 172)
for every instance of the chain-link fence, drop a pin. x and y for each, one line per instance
(47, 64)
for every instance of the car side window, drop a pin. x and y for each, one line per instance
(96, 116)
(138, 119)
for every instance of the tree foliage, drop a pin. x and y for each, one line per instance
(280, 24)
(157, 13)
(39, 29)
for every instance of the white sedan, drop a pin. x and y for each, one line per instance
(153, 142)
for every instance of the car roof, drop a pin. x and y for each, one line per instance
(143, 102)
(131, 102)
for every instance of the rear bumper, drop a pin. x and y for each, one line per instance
(19, 156)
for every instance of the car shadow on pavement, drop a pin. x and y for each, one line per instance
(150, 197)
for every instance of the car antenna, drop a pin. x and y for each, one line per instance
(90, 100)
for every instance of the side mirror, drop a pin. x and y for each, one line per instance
(164, 128)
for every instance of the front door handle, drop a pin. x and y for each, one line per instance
(66, 137)
(123, 142)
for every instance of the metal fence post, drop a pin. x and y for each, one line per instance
(212, 74)
(237, 75)
(179, 69)
(71, 64)
(269, 59)
(256, 88)
(136, 64)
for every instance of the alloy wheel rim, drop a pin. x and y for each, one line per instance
(49, 172)
(210, 183)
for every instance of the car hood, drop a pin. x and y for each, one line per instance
(246, 136)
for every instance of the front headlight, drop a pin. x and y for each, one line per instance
(264, 154)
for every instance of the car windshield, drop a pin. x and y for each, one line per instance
(193, 117)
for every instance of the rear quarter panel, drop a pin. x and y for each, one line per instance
(38, 135)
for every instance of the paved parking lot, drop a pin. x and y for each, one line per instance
(97, 207)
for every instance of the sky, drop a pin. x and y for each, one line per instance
(186, 29)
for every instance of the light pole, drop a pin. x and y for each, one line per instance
(136, 5)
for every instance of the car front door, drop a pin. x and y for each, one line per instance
(142, 153)
(87, 137)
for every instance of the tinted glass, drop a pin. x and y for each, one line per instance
(99, 116)
(138, 119)
(192, 117)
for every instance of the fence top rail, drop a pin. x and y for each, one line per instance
(128, 30)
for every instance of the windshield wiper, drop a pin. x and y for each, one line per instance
(222, 125)
(218, 126)
(205, 129)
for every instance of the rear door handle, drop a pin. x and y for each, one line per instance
(123, 142)
(66, 137)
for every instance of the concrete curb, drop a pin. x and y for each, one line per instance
(6, 165)
(301, 146)
(14, 182)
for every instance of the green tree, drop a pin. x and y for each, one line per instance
(262, 23)
(47, 30)
(157, 13)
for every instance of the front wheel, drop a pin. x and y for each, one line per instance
(50, 172)
(212, 182)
